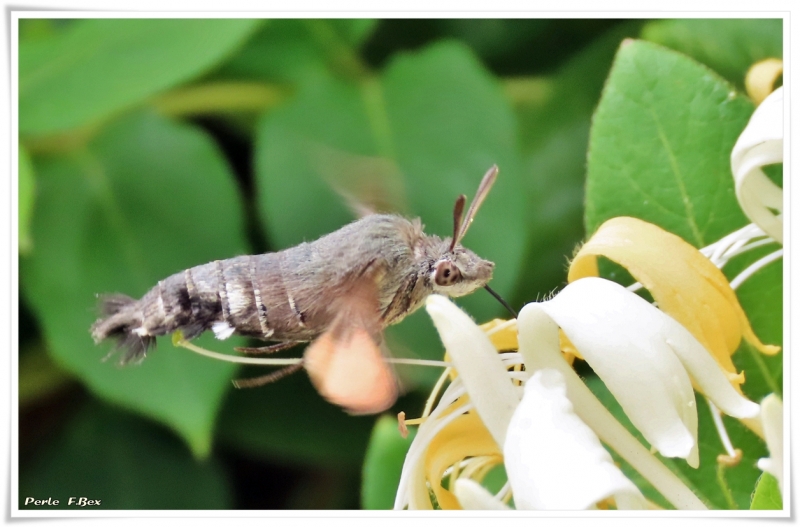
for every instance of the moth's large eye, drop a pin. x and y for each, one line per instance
(446, 273)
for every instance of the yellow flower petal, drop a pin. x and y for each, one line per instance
(761, 77)
(465, 437)
(684, 283)
(502, 333)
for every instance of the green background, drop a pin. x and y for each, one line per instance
(150, 146)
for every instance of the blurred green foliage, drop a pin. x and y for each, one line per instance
(150, 146)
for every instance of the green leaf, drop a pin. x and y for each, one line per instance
(148, 198)
(27, 191)
(411, 141)
(125, 463)
(99, 67)
(728, 46)
(767, 495)
(660, 145)
(290, 423)
(384, 464)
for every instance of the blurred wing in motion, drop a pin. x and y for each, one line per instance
(346, 363)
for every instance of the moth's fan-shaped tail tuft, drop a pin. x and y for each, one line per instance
(122, 321)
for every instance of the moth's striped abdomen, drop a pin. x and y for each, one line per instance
(219, 295)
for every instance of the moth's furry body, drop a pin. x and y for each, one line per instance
(293, 295)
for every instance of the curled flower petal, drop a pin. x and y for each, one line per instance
(597, 299)
(465, 437)
(624, 339)
(539, 345)
(772, 419)
(553, 460)
(684, 283)
(477, 363)
(761, 144)
(473, 496)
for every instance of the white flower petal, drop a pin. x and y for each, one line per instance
(624, 339)
(706, 372)
(761, 144)
(553, 460)
(539, 346)
(477, 363)
(772, 419)
(472, 496)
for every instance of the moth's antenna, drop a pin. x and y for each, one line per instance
(480, 195)
(500, 299)
(458, 213)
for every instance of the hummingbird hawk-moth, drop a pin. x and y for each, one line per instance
(339, 293)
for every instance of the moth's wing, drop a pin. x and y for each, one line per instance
(347, 363)
(351, 372)
(368, 184)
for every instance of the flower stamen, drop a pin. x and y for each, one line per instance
(722, 432)
(755, 267)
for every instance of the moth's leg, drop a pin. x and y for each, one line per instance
(266, 379)
(269, 349)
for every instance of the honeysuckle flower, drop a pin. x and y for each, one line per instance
(644, 357)
(450, 433)
(478, 407)
(543, 425)
(684, 283)
(772, 420)
(761, 144)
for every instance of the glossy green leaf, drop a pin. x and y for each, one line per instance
(98, 67)
(413, 143)
(26, 196)
(767, 495)
(660, 145)
(148, 198)
(728, 46)
(384, 464)
(125, 463)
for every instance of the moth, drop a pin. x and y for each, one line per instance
(339, 293)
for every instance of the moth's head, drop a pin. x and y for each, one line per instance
(459, 272)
